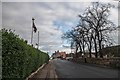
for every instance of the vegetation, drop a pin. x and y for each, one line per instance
(19, 59)
(93, 29)
(112, 51)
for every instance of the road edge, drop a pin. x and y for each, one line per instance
(32, 74)
(54, 69)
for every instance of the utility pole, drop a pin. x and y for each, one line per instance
(38, 39)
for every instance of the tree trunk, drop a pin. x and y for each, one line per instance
(90, 50)
(95, 45)
(80, 48)
(100, 49)
(76, 54)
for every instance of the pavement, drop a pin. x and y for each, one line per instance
(67, 69)
(62, 69)
(45, 73)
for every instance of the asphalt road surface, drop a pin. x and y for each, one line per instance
(67, 69)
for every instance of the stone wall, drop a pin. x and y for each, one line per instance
(108, 62)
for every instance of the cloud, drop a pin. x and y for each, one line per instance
(0, 15)
(58, 0)
(119, 13)
(17, 16)
(51, 20)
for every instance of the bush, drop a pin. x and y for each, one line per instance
(19, 60)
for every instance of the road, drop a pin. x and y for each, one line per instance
(67, 69)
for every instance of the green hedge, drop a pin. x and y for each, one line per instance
(19, 59)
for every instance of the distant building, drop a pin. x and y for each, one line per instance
(70, 55)
(58, 54)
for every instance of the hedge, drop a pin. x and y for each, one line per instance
(19, 59)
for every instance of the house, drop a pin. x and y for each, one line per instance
(58, 54)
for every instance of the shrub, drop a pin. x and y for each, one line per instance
(19, 59)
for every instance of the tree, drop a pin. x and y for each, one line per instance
(72, 37)
(93, 29)
(97, 16)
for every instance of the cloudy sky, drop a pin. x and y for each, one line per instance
(52, 19)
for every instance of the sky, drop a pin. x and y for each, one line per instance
(52, 19)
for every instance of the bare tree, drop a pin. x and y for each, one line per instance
(97, 15)
(93, 28)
